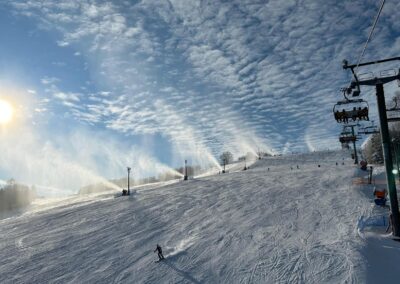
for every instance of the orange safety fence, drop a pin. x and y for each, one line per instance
(380, 194)
(360, 180)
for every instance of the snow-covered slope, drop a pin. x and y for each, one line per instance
(255, 226)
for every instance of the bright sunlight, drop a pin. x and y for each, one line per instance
(6, 112)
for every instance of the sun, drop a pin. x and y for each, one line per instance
(6, 112)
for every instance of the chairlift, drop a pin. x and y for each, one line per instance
(347, 139)
(371, 129)
(347, 136)
(345, 133)
(351, 110)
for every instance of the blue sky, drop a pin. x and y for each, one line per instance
(104, 84)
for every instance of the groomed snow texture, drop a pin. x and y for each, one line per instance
(254, 226)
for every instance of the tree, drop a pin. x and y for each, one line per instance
(373, 149)
(226, 157)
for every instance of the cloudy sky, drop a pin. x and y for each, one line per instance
(98, 85)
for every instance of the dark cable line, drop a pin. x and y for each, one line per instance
(370, 35)
(371, 32)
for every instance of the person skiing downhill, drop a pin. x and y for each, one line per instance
(159, 250)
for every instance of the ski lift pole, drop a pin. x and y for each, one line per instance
(354, 146)
(387, 156)
(129, 171)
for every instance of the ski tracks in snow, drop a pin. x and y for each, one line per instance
(304, 249)
(257, 226)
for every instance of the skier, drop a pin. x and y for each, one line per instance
(159, 250)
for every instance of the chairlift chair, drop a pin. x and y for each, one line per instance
(351, 110)
(370, 130)
(347, 139)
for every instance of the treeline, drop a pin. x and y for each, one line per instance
(372, 149)
(14, 195)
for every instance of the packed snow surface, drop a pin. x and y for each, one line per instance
(274, 223)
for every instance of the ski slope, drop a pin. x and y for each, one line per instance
(255, 226)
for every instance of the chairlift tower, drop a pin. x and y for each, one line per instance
(378, 82)
(354, 144)
(347, 137)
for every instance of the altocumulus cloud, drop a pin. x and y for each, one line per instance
(216, 75)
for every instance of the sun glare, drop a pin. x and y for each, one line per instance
(6, 112)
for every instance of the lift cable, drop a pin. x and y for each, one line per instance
(370, 35)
